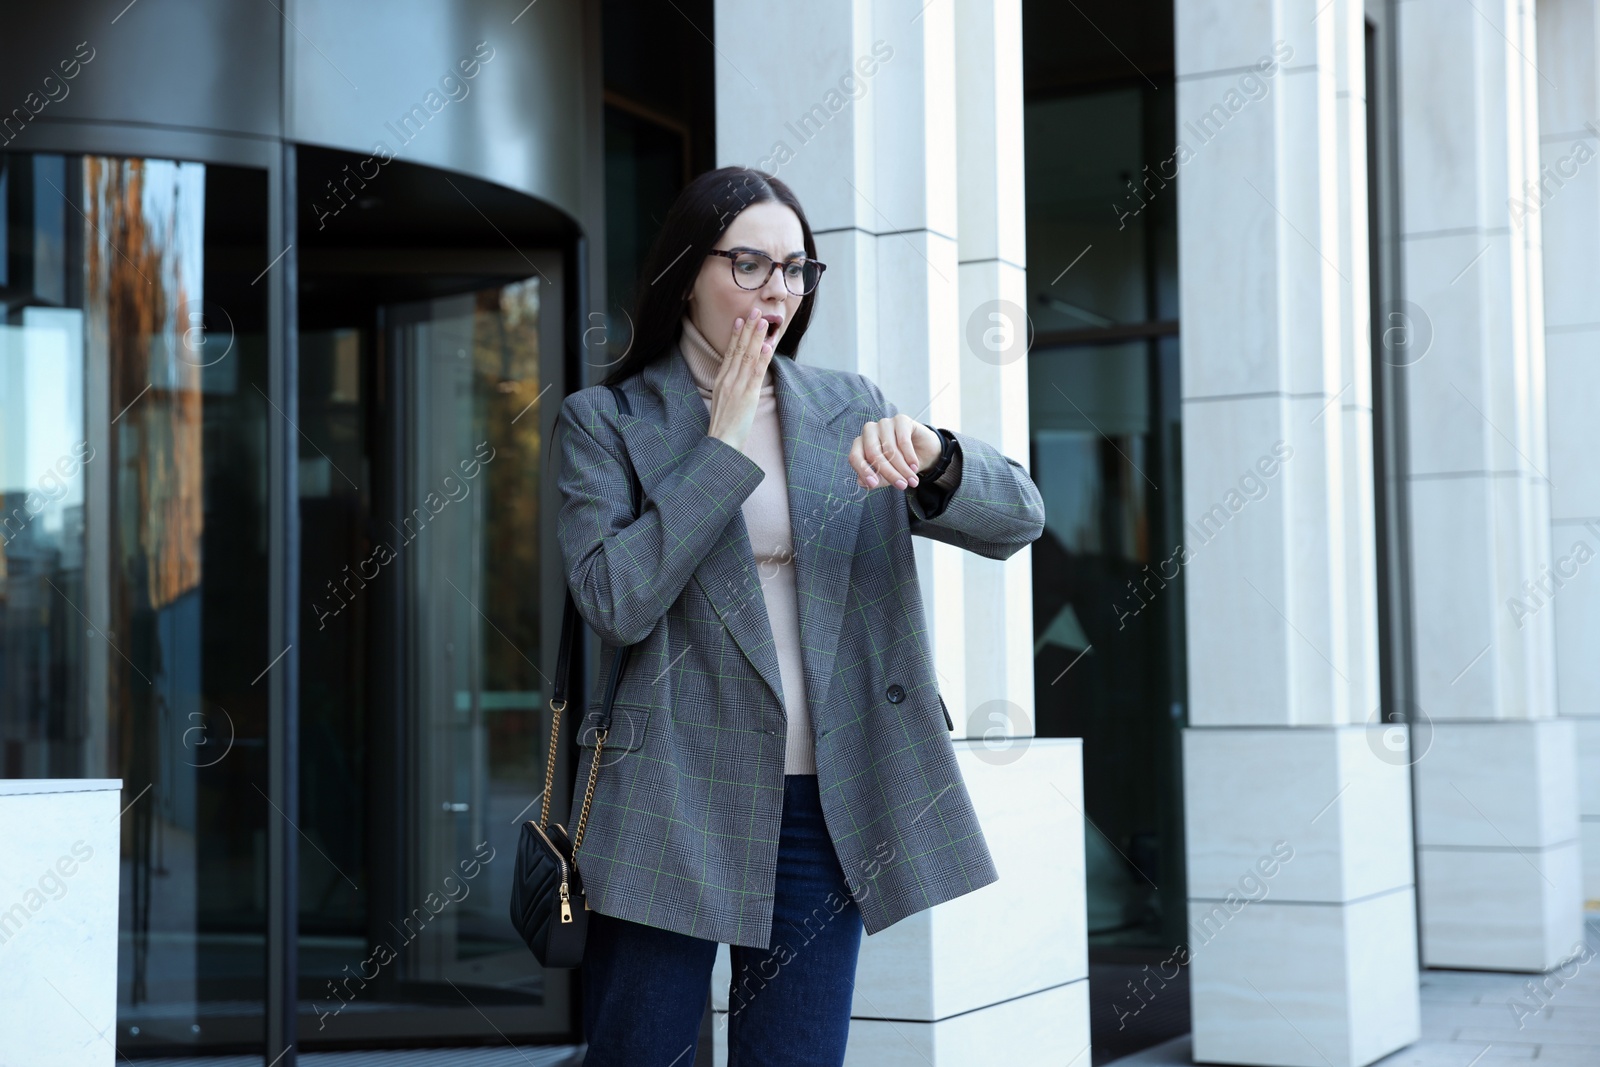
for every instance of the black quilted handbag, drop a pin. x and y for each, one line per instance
(548, 905)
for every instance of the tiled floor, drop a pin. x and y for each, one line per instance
(1467, 1019)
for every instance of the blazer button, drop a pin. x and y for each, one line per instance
(895, 694)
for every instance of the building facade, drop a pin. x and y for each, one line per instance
(1286, 306)
(283, 293)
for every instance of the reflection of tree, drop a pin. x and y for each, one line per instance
(506, 362)
(136, 278)
(506, 365)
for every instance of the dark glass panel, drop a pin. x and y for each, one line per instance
(133, 564)
(1102, 178)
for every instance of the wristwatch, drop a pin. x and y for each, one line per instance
(931, 494)
(947, 450)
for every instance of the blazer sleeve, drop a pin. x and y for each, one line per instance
(994, 509)
(626, 571)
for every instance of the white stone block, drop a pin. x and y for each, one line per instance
(1237, 559)
(1447, 389)
(1308, 264)
(918, 327)
(1216, 35)
(1567, 35)
(59, 871)
(1338, 798)
(912, 137)
(1498, 785)
(759, 108)
(845, 336)
(1505, 909)
(1569, 222)
(991, 149)
(1456, 665)
(1306, 985)
(1441, 187)
(1328, 688)
(1231, 244)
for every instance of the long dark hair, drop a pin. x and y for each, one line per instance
(705, 208)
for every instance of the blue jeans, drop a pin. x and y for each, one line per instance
(645, 989)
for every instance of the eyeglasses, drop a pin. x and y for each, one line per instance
(752, 269)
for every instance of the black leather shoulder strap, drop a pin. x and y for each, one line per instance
(622, 399)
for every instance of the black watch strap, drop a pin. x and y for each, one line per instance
(946, 452)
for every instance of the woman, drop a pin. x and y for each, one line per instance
(777, 774)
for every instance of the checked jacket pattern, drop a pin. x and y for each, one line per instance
(683, 828)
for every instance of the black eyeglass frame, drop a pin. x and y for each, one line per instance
(734, 254)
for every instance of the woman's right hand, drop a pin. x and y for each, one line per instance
(737, 390)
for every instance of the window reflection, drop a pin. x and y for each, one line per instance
(422, 693)
(134, 578)
(132, 553)
(1103, 413)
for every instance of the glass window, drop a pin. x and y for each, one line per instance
(133, 553)
(1103, 409)
(1102, 210)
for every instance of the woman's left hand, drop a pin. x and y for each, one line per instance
(893, 451)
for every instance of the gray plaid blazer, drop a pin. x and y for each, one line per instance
(683, 828)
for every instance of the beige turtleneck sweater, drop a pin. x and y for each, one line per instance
(766, 516)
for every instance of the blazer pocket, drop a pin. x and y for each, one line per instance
(628, 722)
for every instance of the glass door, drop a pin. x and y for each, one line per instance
(1104, 415)
(475, 641)
(470, 376)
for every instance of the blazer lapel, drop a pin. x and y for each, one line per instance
(825, 504)
(728, 573)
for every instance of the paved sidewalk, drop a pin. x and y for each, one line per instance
(1467, 1019)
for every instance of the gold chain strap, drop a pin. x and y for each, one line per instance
(588, 793)
(550, 771)
(550, 761)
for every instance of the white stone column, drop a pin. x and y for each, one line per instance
(1300, 876)
(899, 126)
(1566, 197)
(60, 867)
(997, 632)
(1497, 851)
